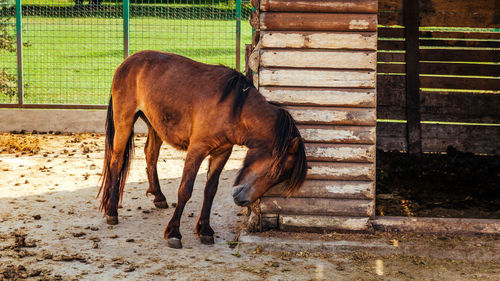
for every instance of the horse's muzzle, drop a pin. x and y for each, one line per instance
(240, 195)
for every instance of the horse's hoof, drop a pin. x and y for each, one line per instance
(174, 243)
(207, 239)
(161, 204)
(112, 220)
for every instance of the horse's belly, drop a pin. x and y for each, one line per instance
(174, 132)
(170, 117)
(179, 142)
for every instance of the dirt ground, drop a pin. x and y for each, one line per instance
(51, 229)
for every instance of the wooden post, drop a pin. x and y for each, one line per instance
(414, 133)
(248, 71)
(19, 49)
(126, 25)
(238, 34)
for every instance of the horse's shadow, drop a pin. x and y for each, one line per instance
(69, 219)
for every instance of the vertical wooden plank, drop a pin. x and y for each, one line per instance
(411, 19)
(248, 71)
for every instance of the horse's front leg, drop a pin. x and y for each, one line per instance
(195, 155)
(216, 164)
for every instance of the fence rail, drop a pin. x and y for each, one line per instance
(63, 52)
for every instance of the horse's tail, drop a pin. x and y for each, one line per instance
(106, 181)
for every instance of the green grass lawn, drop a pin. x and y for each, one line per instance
(72, 60)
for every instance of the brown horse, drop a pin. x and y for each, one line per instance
(204, 109)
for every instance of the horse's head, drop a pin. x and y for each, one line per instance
(266, 166)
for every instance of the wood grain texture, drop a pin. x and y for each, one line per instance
(460, 107)
(338, 134)
(255, 38)
(443, 106)
(390, 92)
(411, 10)
(438, 68)
(390, 5)
(385, 68)
(318, 59)
(437, 138)
(391, 45)
(340, 171)
(446, 13)
(448, 226)
(329, 189)
(317, 22)
(459, 43)
(333, 115)
(317, 78)
(460, 55)
(340, 152)
(460, 83)
(398, 32)
(321, 6)
(255, 80)
(320, 40)
(391, 100)
(390, 18)
(395, 44)
(460, 35)
(390, 57)
(460, 13)
(254, 19)
(391, 32)
(320, 96)
(254, 59)
(317, 206)
(322, 223)
(440, 55)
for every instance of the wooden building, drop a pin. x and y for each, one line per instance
(439, 64)
(319, 59)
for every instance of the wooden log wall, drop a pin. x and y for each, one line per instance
(459, 66)
(318, 59)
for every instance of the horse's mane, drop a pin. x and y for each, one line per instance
(286, 131)
(236, 80)
(284, 128)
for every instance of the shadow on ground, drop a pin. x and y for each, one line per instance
(65, 234)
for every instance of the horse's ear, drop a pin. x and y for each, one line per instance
(294, 145)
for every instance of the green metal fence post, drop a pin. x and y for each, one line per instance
(19, 47)
(238, 33)
(126, 16)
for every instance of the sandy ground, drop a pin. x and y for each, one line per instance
(51, 229)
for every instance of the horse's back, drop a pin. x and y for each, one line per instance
(158, 74)
(172, 91)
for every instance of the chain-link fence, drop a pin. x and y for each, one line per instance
(8, 79)
(70, 48)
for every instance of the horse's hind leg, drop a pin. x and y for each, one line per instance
(216, 164)
(120, 159)
(152, 151)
